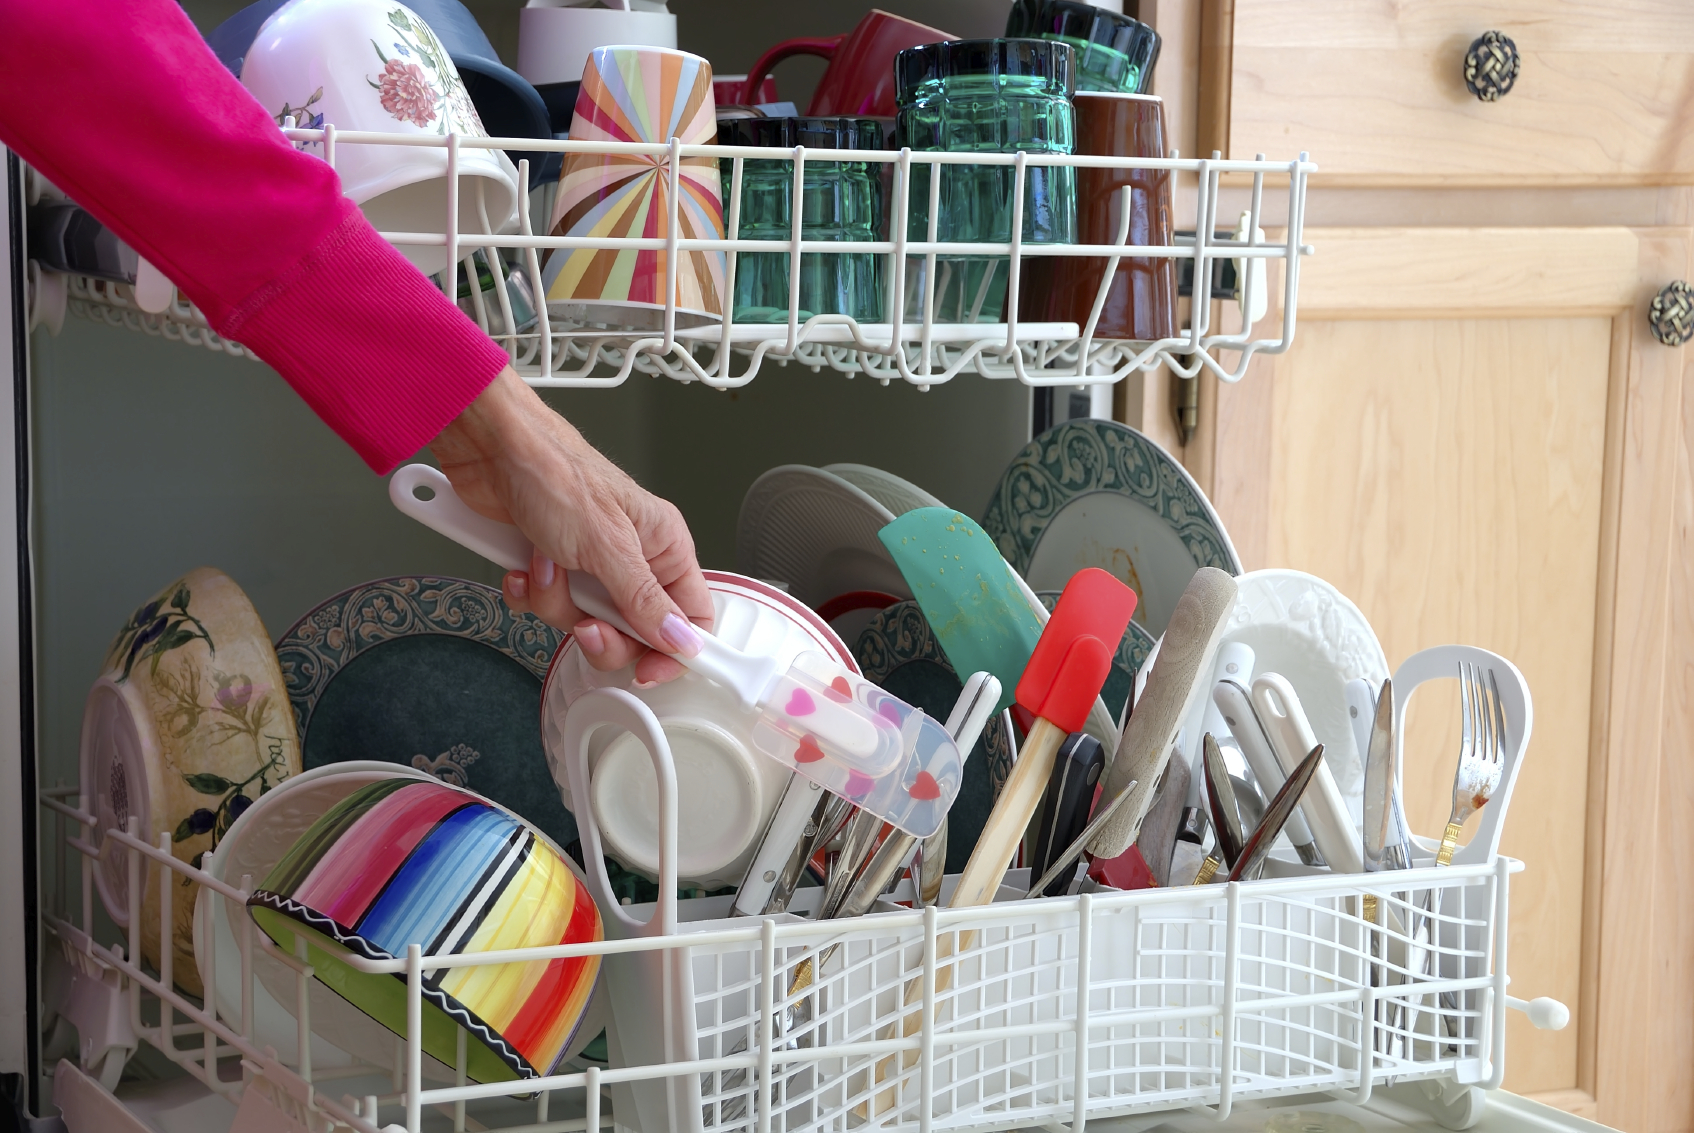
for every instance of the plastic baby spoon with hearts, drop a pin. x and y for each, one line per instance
(830, 725)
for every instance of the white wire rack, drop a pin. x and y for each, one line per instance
(729, 354)
(967, 1019)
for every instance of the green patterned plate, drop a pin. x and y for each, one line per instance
(435, 674)
(1092, 493)
(898, 652)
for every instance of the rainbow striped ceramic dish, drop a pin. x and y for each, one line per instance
(409, 861)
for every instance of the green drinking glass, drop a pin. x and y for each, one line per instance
(1114, 53)
(984, 96)
(839, 200)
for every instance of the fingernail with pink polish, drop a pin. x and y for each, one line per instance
(542, 570)
(588, 636)
(646, 684)
(518, 583)
(680, 635)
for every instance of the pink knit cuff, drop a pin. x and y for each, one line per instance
(376, 350)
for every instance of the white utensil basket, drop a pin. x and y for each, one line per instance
(1018, 1014)
(549, 352)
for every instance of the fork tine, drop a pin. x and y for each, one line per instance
(1499, 752)
(1466, 738)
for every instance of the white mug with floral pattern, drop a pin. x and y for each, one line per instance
(375, 65)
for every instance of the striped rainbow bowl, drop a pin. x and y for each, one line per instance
(410, 861)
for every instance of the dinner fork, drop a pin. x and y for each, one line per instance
(1482, 747)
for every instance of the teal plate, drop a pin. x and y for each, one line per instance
(898, 652)
(1092, 493)
(435, 674)
(1132, 653)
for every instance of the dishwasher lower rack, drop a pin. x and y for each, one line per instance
(944, 1019)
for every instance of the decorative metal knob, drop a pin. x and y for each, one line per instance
(1491, 66)
(1672, 314)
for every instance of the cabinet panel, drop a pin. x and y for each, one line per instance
(1446, 475)
(1375, 91)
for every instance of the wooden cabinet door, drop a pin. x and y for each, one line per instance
(1374, 90)
(1476, 437)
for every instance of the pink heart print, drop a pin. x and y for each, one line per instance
(800, 703)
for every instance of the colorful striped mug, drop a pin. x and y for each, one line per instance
(408, 861)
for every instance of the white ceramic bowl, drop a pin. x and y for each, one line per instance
(375, 65)
(554, 42)
(728, 790)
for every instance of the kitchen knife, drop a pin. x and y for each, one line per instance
(1189, 853)
(1279, 710)
(1063, 863)
(1064, 808)
(1186, 653)
(1235, 702)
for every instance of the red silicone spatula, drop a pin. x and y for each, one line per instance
(1058, 687)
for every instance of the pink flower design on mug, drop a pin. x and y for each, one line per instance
(406, 94)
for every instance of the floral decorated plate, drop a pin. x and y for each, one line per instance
(434, 674)
(1092, 493)
(899, 652)
(186, 728)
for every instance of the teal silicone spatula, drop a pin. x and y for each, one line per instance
(967, 592)
(814, 716)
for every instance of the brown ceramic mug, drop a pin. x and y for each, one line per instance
(1141, 302)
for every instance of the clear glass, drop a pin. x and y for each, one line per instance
(839, 200)
(985, 113)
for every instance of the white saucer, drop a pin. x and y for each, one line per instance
(815, 531)
(728, 790)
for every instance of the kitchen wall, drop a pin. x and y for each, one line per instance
(154, 457)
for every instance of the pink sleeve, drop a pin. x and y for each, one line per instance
(124, 107)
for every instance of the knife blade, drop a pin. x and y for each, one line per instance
(1161, 828)
(1220, 796)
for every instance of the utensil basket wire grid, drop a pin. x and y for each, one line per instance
(1178, 998)
(921, 352)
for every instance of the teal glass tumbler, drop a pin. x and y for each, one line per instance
(839, 200)
(984, 96)
(1114, 53)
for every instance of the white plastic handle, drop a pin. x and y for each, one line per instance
(441, 510)
(1284, 718)
(613, 707)
(1545, 1013)
(425, 494)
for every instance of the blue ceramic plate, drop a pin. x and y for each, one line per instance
(898, 652)
(1092, 493)
(435, 674)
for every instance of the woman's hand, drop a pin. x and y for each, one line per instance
(513, 459)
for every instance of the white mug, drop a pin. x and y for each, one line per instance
(375, 65)
(556, 39)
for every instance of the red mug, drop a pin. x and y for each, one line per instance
(860, 77)
(1141, 300)
(733, 90)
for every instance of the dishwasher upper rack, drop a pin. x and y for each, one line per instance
(730, 354)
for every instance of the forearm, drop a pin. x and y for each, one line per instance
(123, 107)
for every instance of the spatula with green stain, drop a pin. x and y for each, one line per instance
(967, 592)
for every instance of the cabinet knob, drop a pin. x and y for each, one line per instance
(1491, 66)
(1672, 314)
